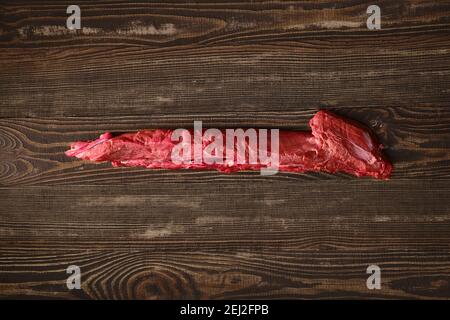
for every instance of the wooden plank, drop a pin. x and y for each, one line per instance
(43, 23)
(416, 139)
(227, 240)
(229, 215)
(278, 77)
(233, 57)
(146, 274)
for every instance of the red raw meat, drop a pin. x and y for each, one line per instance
(333, 145)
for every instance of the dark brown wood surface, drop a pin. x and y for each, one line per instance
(156, 234)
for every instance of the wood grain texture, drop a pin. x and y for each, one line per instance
(336, 214)
(263, 56)
(227, 240)
(42, 23)
(155, 234)
(281, 78)
(146, 274)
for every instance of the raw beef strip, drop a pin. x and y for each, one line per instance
(334, 144)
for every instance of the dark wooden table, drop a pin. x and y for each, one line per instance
(139, 233)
